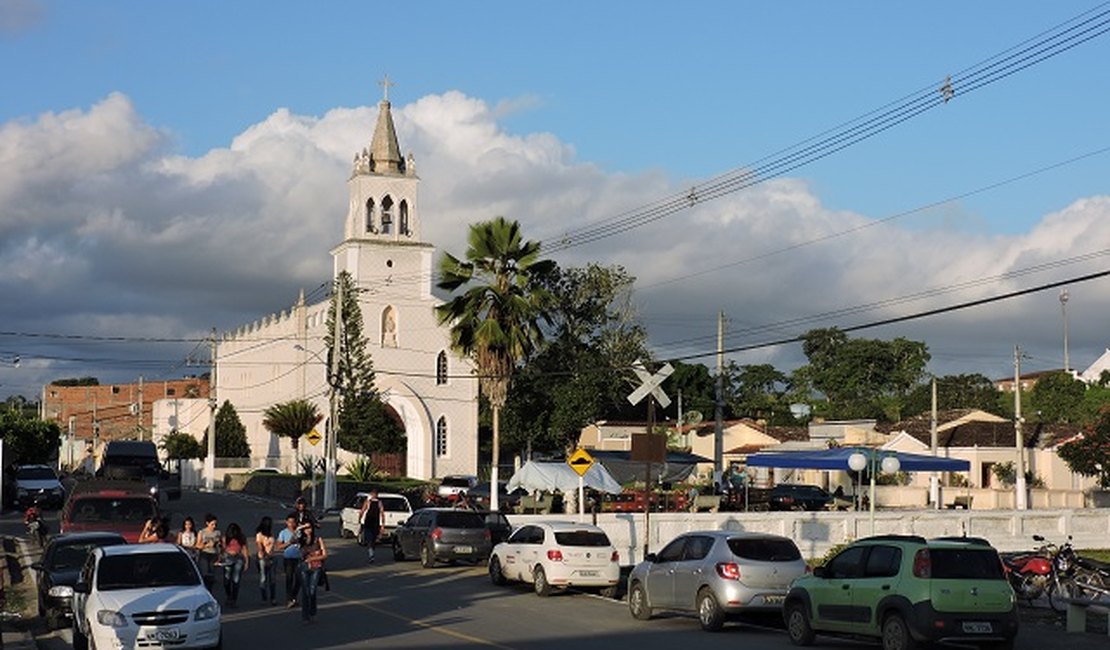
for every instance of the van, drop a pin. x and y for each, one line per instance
(137, 460)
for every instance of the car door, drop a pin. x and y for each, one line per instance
(659, 577)
(689, 571)
(832, 595)
(412, 534)
(81, 597)
(509, 553)
(879, 579)
(351, 512)
(530, 549)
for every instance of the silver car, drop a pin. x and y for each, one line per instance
(717, 574)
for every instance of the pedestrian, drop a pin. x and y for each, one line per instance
(210, 544)
(304, 516)
(187, 537)
(372, 518)
(287, 544)
(236, 561)
(264, 542)
(313, 554)
(149, 535)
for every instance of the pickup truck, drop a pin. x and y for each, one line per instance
(137, 460)
(99, 505)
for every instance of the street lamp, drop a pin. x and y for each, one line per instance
(330, 439)
(873, 461)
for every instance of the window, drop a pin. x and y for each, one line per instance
(404, 225)
(370, 216)
(115, 390)
(441, 436)
(171, 391)
(883, 562)
(764, 549)
(672, 552)
(387, 216)
(698, 547)
(389, 327)
(848, 563)
(441, 368)
(581, 538)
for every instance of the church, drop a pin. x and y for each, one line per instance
(430, 388)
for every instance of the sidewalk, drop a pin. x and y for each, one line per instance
(18, 641)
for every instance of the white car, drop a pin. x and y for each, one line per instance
(453, 484)
(557, 554)
(397, 511)
(143, 595)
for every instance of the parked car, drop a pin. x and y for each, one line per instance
(557, 555)
(137, 460)
(787, 496)
(61, 563)
(718, 574)
(506, 501)
(498, 525)
(442, 534)
(906, 590)
(108, 506)
(452, 485)
(143, 595)
(397, 510)
(35, 485)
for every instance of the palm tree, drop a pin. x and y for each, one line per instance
(495, 321)
(292, 420)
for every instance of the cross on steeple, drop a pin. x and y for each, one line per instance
(385, 83)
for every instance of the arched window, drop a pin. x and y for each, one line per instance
(387, 216)
(389, 327)
(370, 216)
(403, 227)
(441, 368)
(441, 436)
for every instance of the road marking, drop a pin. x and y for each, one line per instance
(431, 627)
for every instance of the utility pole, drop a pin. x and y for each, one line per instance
(210, 459)
(1019, 478)
(719, 411)
(333, 382)
(139, 410)
(934, 479)
(1064, 308)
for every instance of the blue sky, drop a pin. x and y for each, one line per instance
(649, 97)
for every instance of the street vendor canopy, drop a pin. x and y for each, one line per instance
(546, 477)
(837, 459)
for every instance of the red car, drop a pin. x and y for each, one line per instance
(108, 506)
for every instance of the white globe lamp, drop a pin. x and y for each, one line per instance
(857, 462)
(890, 464)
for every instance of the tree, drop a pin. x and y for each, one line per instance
(759, 391)
(1089, 454)
(29, 440)
(292, 420)
(231, 435)
(1058, 397)
(364, 422)
(76, 381)
(182, 446)
(495, 321)
(971, 391)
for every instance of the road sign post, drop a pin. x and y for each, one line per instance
(651, 386)
(581, 461)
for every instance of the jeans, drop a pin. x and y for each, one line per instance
(292, 577)
(207, 563)
(309, 578)
(266, 584)
(233, 573)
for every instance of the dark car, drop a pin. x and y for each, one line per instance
(506, 501)
(498, 526)
(57, 572)
(798, 497)
(443, 534)
(35, 485)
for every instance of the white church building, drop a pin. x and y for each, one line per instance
(281, 357)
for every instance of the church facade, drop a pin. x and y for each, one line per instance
(282, 357)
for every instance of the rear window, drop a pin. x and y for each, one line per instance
(393, 504)
(456, 481)
(764, 549)
(67, 557)
(460, 520)
(36, 474)
(146, 570)
(581, 538)
(966, 563)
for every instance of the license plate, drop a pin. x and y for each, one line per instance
(977, 628)
(169, 634)
(774, 600)
(588, 574)
(464, 549)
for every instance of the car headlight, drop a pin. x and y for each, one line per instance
(111, 618)
(208, 610)
(61, 591)
(154, 490)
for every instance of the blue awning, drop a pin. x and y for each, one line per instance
(837, 459)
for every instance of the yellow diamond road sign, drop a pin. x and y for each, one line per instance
(314, 437)
(581, 461)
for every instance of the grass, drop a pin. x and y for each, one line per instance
(1102, 555)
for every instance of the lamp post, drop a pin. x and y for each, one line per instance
(330, 438)
(873, 461)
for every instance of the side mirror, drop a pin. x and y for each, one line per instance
(81, 587)
(651, 557)
(820, 572)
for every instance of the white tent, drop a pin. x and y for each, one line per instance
(540, 477)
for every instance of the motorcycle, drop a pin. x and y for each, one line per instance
(1031, 574)
(36, 527)
(1077, 577)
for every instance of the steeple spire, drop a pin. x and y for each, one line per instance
(385, 153)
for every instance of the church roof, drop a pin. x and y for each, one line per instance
(385, 153)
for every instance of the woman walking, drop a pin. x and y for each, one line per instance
(264, 543)
(210, 544)
(187, 537)
(313, 554)
(236, 561)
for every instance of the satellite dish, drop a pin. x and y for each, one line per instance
(693, 417)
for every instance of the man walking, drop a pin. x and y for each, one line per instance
(289, 546)
(372, 518)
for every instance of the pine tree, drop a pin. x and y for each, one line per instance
(231, 435)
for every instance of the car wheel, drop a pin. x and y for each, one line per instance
(398, 553)
(495, 575)
(427, 557)
(710, 614)
(540, 584)
(638, 602)
(797, 625)
(80, 641)
(609, 592)
(896, 634)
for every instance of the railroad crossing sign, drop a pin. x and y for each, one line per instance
(314, 437)
(580, 461)
(651, 384)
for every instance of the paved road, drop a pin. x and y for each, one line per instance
(401, 605)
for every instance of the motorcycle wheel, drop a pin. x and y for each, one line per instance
(1059, 591)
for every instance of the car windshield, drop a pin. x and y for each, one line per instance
(173, 569)
(36, 474)
(966, 563)
(460, 520)
(581, 538)
(69, 557)
(124, 509)
(394, 504)
(764, 549)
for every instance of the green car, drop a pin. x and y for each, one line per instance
(907, 591)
